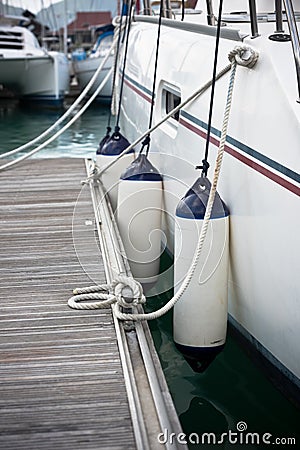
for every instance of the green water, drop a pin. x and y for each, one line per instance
(19, 124)
(233, 389)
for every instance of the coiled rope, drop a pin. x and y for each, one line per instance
(118, 30)
(248, 58)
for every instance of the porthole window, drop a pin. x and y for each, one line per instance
(170, 98)
(171, 101)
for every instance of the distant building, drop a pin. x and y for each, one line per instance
(81, 31)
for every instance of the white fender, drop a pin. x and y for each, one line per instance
(111, 177)
(139, 218)
(200, 316)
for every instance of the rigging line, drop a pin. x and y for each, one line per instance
(205, 165)
(155, 76)
(124, 12)
(124, 64)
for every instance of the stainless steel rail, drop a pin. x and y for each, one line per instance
(278, 9)
(168, 9)
(290, 15)
(147, 8)
(253, 19)
(210, 13)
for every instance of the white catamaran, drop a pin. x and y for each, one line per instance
(27, 69)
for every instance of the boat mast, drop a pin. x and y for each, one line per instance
(42, 23)
(65, 35)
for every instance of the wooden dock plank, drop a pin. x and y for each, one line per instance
(61, 379)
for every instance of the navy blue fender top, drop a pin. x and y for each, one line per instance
(141, 169)
(193, 204)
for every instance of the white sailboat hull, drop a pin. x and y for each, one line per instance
(85, 69)
(259, 180)
(30, 71)
(43, 78)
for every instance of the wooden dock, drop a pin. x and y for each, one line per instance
(63, 380)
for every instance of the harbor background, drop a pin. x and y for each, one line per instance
(233, 389)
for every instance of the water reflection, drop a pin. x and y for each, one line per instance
(231, 390)
(20, 124)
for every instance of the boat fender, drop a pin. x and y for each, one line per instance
(200, 316)
(139, 218)
(108, 152)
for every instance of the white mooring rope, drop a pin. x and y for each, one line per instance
(239, 55)
(62, 130)
(65, 115)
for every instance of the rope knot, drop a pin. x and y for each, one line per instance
(105, 295)
(146, 141)
(244, 56)
(133, 298)
(204, 167)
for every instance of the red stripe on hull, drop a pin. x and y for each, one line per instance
(258, 168)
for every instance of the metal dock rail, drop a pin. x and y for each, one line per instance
(69, 379)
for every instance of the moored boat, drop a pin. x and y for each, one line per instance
(30, 71)
(85, 66)
(260, 179)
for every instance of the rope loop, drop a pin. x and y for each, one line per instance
(116, 21)
(243, 55)
(104, 295)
